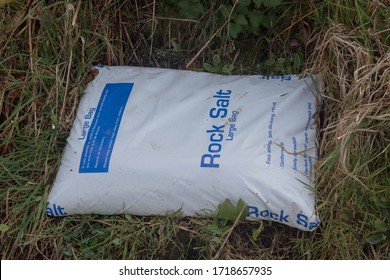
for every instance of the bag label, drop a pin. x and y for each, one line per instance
(220, 110)
(102, 132)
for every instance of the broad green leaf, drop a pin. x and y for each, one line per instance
(216, 59)
(234, 30)
(88, 254)
(68, 252)
(297, 61)
(128, 217)
(272, 3)
(241, 20)
(280, 62)
(3, 228)
(241, 10)
(241, 206)
(227, 211)
(116, 241)
(175, 46)
(381, 226)
(244, 2)
(207, 67)
(227, 69)
(191, 9)
(269, 21)
(376, 238)
(258, 3)
(269, 62)
(225, 9)
(214, 229)
(255, 19)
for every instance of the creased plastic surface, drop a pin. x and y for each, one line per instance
(146, 141)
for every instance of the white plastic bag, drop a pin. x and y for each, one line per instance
(146, 141)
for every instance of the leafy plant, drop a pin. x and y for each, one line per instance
(191, 9)
(220, 227)
(217, 66)
(245, 17)
(3, 228)
(283, 65)
(249, 16)
(256, 232)
(380, 234)
(229, 212)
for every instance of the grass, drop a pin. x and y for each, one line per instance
(46, 50)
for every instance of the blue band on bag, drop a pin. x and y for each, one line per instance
(104, 128)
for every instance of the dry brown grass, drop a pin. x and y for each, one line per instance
(355, 140)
